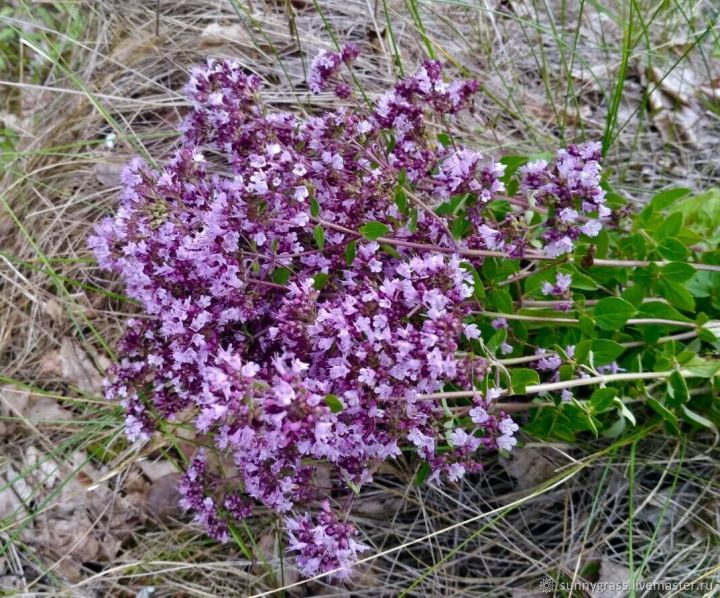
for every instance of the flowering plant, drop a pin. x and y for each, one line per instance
(329, 292)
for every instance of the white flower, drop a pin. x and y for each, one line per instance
(364, 127)
(455, 472)
(458, 438)
(591, 228)
(507, 426)
(471, 331)
(479, 415)
(563, 281)
(250, 369)
(494, 393)
(301, 193)
(568, 215)
(559, 247)
(506, 442)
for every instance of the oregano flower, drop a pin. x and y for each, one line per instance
(287, 335)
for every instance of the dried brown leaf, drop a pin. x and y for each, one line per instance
(529, 467)
(107, 170)
(54, 309)
(21, 404)
(613, 578)
(78, 368)
(217, 34)
(162, 501)
(154, 470)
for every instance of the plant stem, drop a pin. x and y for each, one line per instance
(501, 254)
(628, 345)
(553, 386)
(631, 321)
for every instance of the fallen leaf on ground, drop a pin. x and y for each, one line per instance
(217, 34)
(614, 580)
(162, 501)
(107, 170)
(154, 470)
(17, 403)
(16, 493)
(529, 467)
(78, 368)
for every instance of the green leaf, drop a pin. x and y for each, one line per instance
(402, 177)
(501, 300)
(390, 250)
(708, 336)
(566, 372)
(639, 245)
(704, 368)
(314, 208)
(704, 284)
(334, 403)
(604, 350)
(663, 412)
(500, 208)
(412, 222)
(677, 390)
(320, 280)
(698, 419)
(577, 418)
(350, 252)
(521, 378)
(534, 282)
(702, 215)
(676, 294)
(512, 163)
(580, 281)
(677, 271)
(602, 244)
(401, 200)
(319, 234)
(646, 277)
(354, 486)
(374, 230)
(672, 249)
(658, 309)
(670, 226)
(611, 313)
(587, 325)
(444, 139)
(624, 411)
(281, 275)
(602, 399)
(666, 198)
(615, 430)
(496, 340)
(423, 473)
(460, 227)
(634, 294)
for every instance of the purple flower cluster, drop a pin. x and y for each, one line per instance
(325, 67)
(285, 335)
(571, 188)
(561, 288)
(324, 543)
